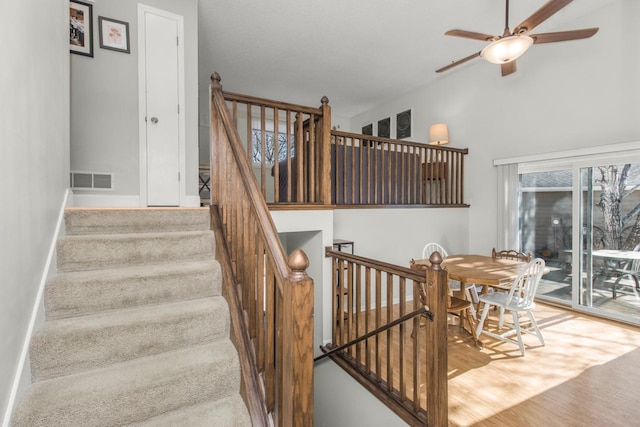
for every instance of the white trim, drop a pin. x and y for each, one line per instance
(142, 129)
(587, 151)
(34, 315)
(191, 201)
(106, 201)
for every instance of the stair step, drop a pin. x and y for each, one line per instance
(132, 220)
(89, 292)
(64, 346)
(228, 412)
(100, 251)
(133, 391)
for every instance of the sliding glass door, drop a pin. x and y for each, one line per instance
(609, 262)
(584, 221)
(546, 228)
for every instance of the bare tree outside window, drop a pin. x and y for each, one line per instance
(615, 186)
(269, 147)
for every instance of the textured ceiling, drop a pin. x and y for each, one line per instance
(359, 53)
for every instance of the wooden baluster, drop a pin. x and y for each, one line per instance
(289, 171)
(390, 317)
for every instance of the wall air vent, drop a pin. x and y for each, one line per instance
(89, 180)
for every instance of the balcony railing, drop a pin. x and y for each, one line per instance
(298, 160)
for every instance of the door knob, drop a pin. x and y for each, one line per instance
(154, 120)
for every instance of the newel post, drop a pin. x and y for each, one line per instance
(297, 344)
(325, 152)
(437, 389)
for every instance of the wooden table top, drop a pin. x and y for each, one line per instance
(480, 269)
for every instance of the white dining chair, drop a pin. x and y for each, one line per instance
(470, 291)
(519, 299)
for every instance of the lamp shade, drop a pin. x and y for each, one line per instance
(506, 49)
(438, 134)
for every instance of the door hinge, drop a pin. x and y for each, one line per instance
(177, 40)
(178, 176)
(178, 108)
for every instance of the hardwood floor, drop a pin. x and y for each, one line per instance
(588, 374)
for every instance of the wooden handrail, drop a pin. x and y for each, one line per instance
(363, 288)
(274, 295)
(269, 103)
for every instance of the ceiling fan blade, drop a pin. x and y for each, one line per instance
(563, 35)
(470, 35)
(508, 68)
(461, 61)
(540, 15)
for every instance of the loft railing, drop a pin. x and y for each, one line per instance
(270, 297)
(405, 366)
(281, 138)
(299, 160)
(368, 170)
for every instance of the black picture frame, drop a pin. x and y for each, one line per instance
(81, 28)
(403, 124)
(384, 128)
(367, 129)
(114, 34)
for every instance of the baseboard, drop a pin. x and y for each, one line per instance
(192, 201)
(106, 201)
(23, 369)
(118, 201)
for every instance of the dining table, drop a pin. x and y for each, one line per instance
(481, 270)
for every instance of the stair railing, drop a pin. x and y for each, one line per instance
(281, 138)
(270, 296)
(402, 362)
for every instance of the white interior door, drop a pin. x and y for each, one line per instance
(161, 147)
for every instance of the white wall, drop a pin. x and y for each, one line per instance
(311, 231)
(34, 160)
(563, 96)
(399, 234)
(104, 103)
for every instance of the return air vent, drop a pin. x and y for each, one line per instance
(89, 180)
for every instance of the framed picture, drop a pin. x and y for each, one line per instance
(114, 34)
(384, 128)
(81, 28)
(403, 124)
(367, 129)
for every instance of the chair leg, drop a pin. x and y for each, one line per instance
(535, 327)
(485, 312)
(469, 297)
(613, 290)
(472, 328)
(501, 318)
(516, 325)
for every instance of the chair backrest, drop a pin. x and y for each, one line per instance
(511, 254)
(431, 248)
(525, 285)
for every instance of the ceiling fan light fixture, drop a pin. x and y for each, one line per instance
(506, 49)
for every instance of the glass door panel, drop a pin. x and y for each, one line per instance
(610, 240)
(546, 228)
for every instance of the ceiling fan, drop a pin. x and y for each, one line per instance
(505, 49)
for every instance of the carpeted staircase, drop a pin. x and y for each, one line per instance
(136, 331)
